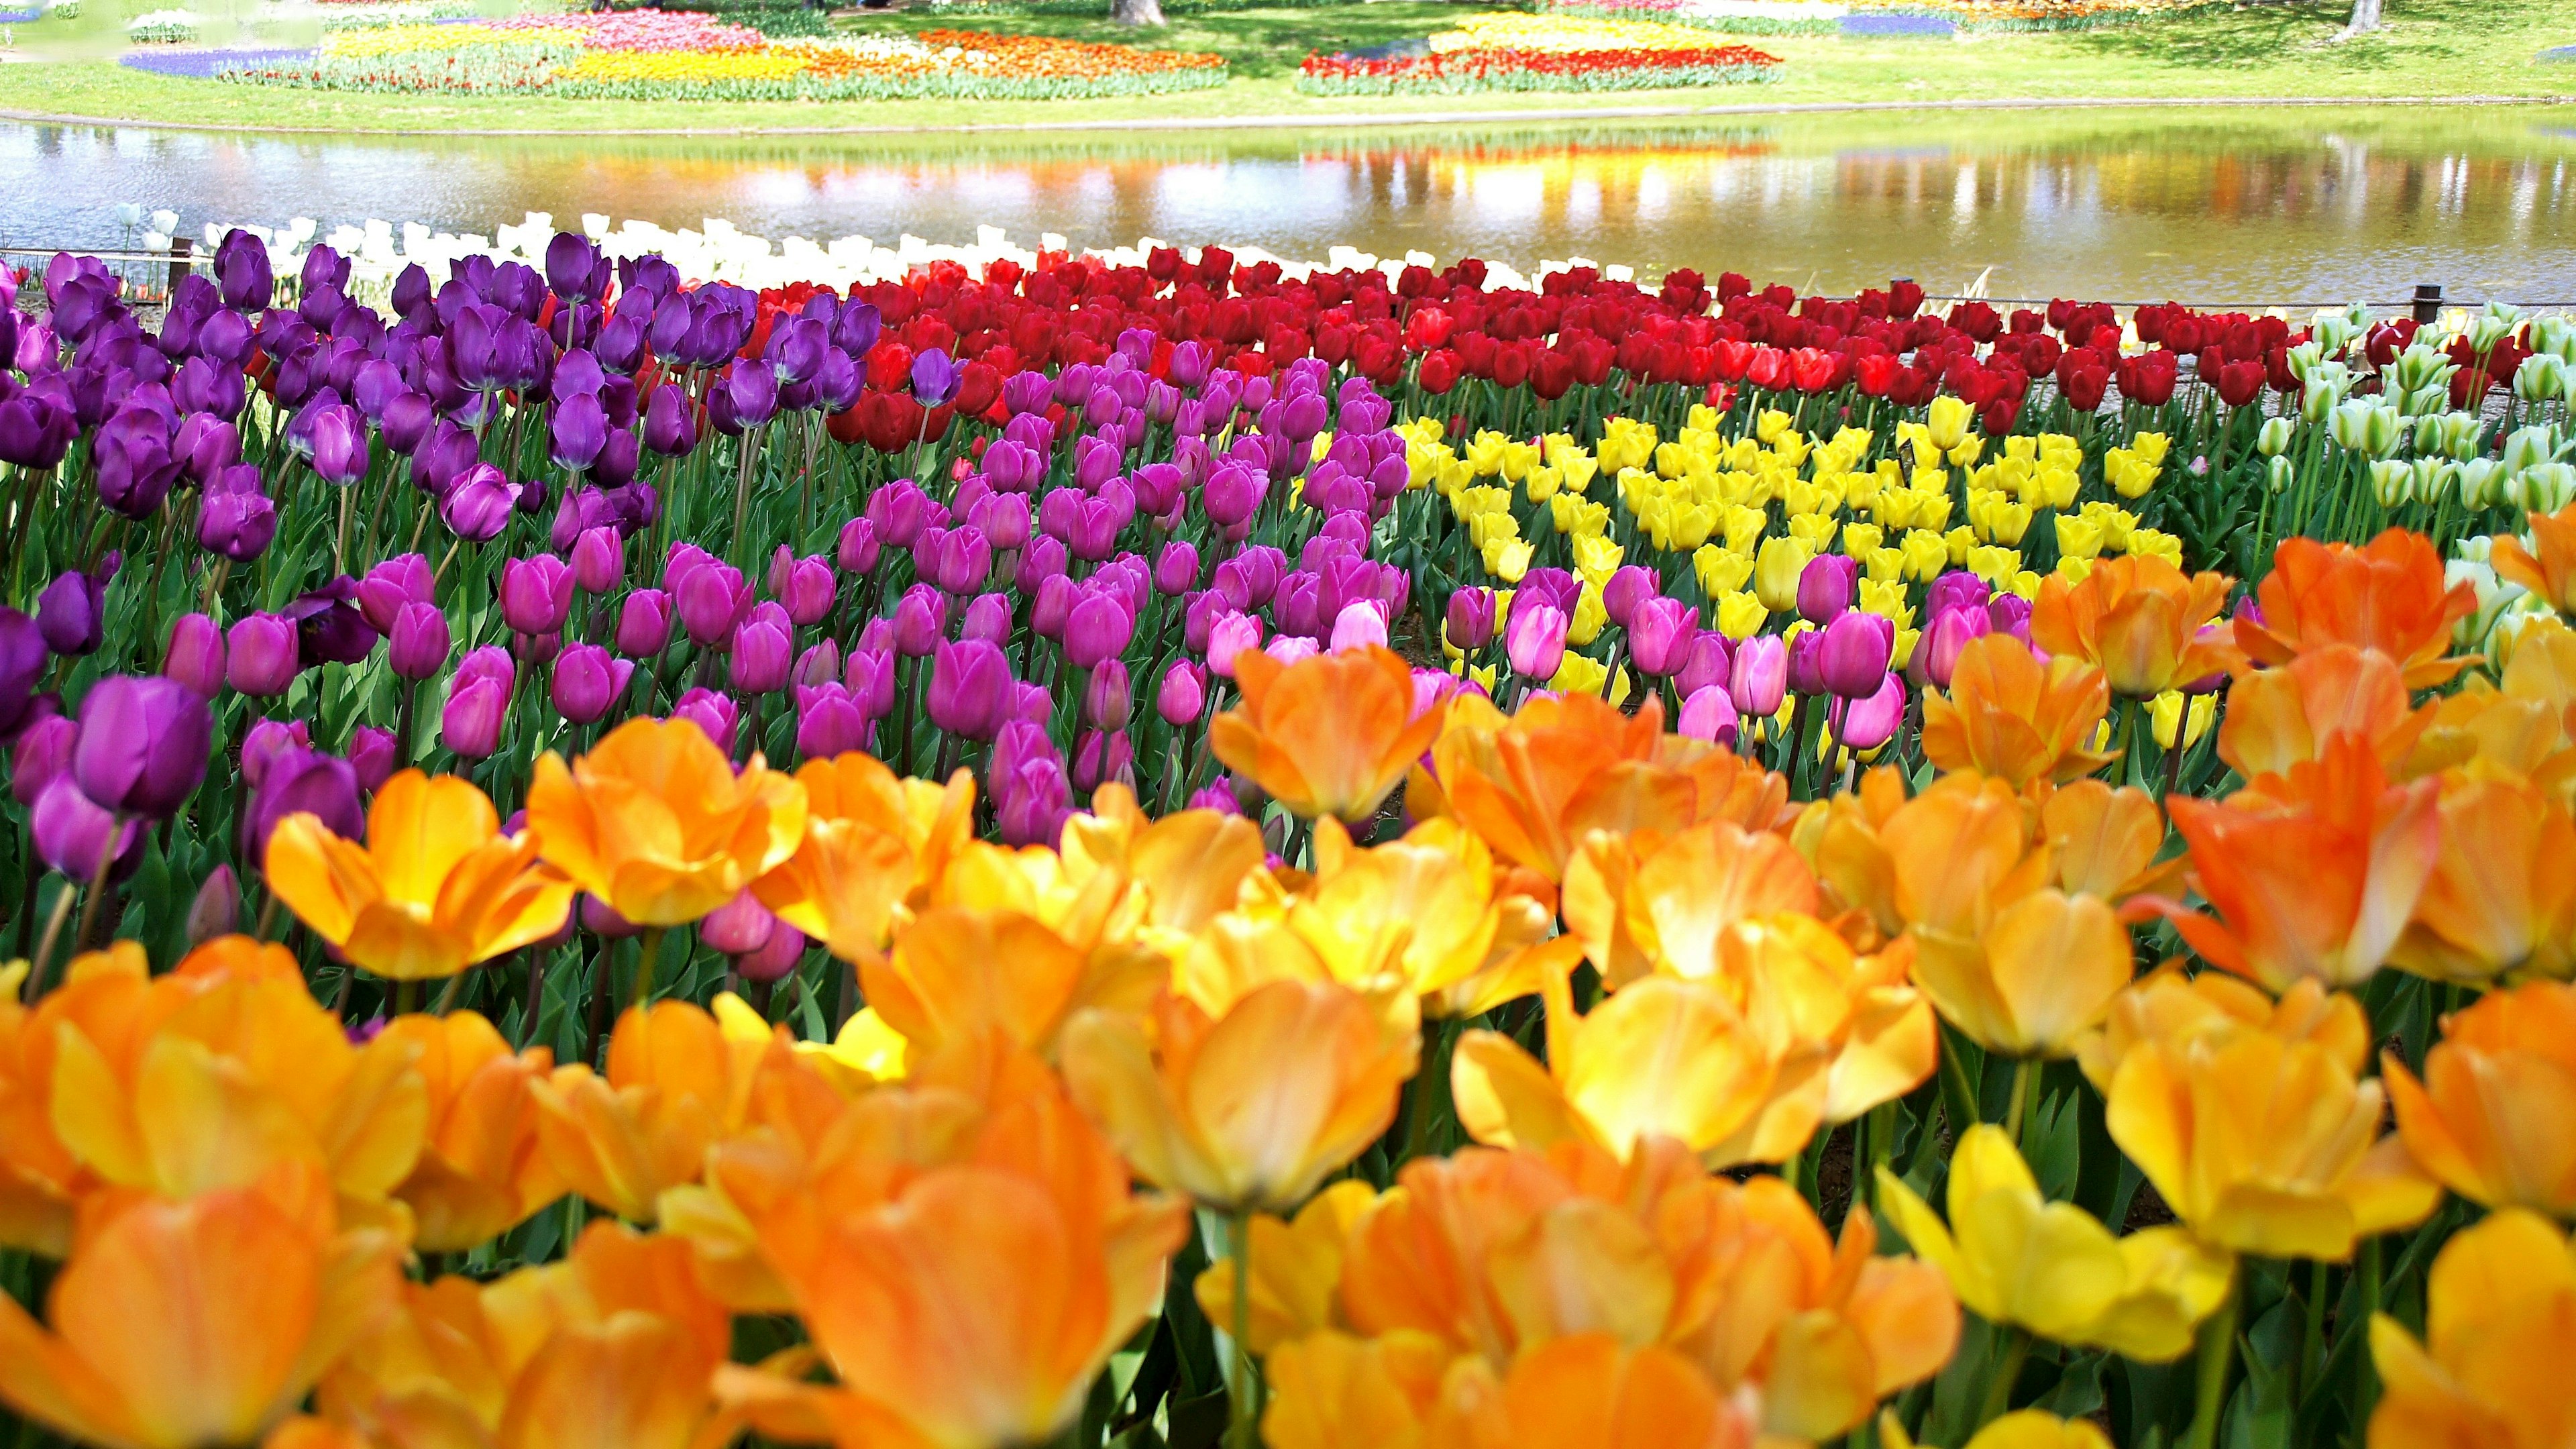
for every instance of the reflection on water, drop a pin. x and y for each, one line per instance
(2209, 206)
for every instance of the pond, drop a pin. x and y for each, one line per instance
(2212, 206)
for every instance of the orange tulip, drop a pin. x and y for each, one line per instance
(1590, 1391)
(614, 1347)
(435, 889)
(2137, 618)
(958, 971)
(1959, 853)
(209, 1077)
(1251, 1107)
(481, 1171)
(41, 1180)
(655, 822)
(1191, 864)
(2167, 1005)
(1839, 836)
(2281, 717)
(2500, 1326)
(2313, 874)
(1536, 784)
(1296, 1269)
(1329, 1390)
(2390, 596)
(1499, 1253)
(2264, 1145)
(2548, 566)
(1331, 734)
(674, 1086)
(871, 840)
(2010, 716)
(2044, 971)
(2502, 896)
(2495, 1116)
(1641, 900)
(201, 1320)
(974, 1303)
(2103, 842)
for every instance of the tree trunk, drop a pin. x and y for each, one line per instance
(2365, 18)
(1150, 12)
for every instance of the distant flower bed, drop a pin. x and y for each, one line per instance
(1517, 52)
(652, 55)
(1876, 17)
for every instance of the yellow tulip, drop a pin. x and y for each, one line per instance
(481, 1170)
(2500, 1327)
(200, 1320)
(870, 841)
(2495, 1115)
(1776, 571)
(2021, 1429)
(1296, 1269)
(435, 889)
(1328, 735)
(672, 1089)
(655, 822)
(2043, 972)
(1947, 422)
(2052, 1268)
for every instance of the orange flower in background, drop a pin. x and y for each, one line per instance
(1535, 784)
(2548, 566)
(2390, 596)
(870, 841)
(655, 822)
(613, 1347)
(674, 1085)
(2500, 1327)
(2281, 717)
(2502, 896)
(1590, 1391)
(958, 971)
(481, 1171)
(2137, 618)
(2524, 724)
(1331, 734)
(2010, 716)
(1248, 1108)
(2313, 874)
(1959, 852)
(435, 889)
(211, 1076)
(2264, 1145)
(2495, 1116)
(203, 1320)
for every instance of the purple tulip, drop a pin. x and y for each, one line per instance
(934, 377)
(1709, 715)
(1957, 589)
(803, 585)
(1107, 699)
(536, 593)
(237, 519)
(74, 834)
(241, 271)
(329, 628)
(1471, 619)
(1104, 757)
(263, 658)
(1806, 668)
(858, 549)
(1229, 634)
(598, 560)
(205, 447)
(2010, 614)
(988, 616)
(479, 503)
(1098, 628)
(42, 752)
(777, 957)
(143, 743)
(302, 782)
(1661, 632)
(1711, 660)
(135, 465)
(578, 430)
(1031, 796)
(820, 664)
(670, 429)
(1535, 640)
(1628, 586)
(644, 624)
(1759, 680)
(1852, 653)
(764, 650)
(267, 742)
(418, 645)
(601, 919)
(970, 692)
(711, 598)
(714, 713)
(1827, 587)
(71, 613)
(1360, 625)
(23, 656)
(404, 579)
(339, 437)
(1936, 654)
(195, 657)
(478, 702)
(588, 681)
(739, 926)
(216, 911)
(1872, 720)
(920, 621)
(830, 722)
(373, 755)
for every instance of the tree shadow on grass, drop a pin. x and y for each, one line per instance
(2417, 35)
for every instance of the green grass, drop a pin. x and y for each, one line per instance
(2271, 49)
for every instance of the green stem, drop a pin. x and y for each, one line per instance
(2366, 1389)
(651, 948)
(1242, 1395)
(97, 885)
(2017, 1110)
(45, 949)
(2016, 1350)
(2217, 1361)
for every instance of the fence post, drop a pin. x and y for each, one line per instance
(2428, 303)
(180, 251)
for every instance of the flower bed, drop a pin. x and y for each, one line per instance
(869, 864)
(1534, 53)
(653, 55)
(1878, 17)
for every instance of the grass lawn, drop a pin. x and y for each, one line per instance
(2272, 49)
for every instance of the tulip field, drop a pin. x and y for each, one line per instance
(1066, 852)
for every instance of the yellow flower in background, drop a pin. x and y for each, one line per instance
(2020, 1429)
(2167, 713)
(1776, 570)
(1508, 561)
(1580, 674)
(1740, 615)
(2052, 1268)
(1815, 530)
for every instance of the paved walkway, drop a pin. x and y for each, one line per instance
(1518, 116)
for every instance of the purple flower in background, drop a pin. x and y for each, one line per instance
(303, 781)
(74, 834)
(373, 755)
(143, 743)
(588, 682)
(714, 713)
(392, 584)
(934, 377)
(478, 701)
(196, 655)
(71, 613)
(644, 624)
(263, 655)
(478, 505)
(536, 593)
(970, 689)
(328, 625)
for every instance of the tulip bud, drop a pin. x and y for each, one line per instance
(777, 957)
(588, 681)
(1759, 681)
(739, 926)
(1360, 625)
(1936, 654)
(858, 548)
(1470, 619)
(42, 751)
(598, 560)
(261, 655)
(372, 756)
(217, 909)
(1107, 699)
(1535, 640)
(1709, 715)
(71, 613)
(195, 657)
(970, 692)
(1182, 695)
(536, 594)
(1176, 569)
(1852, 653)
(804, 587)
(920, 621)
(644, 624)
(1872, 720)
(73, 833)
(1661, 633)
(601, 919)
(715, 714)
(478, 702)
(830, 721)
(1229, 634)
(1828, 585)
